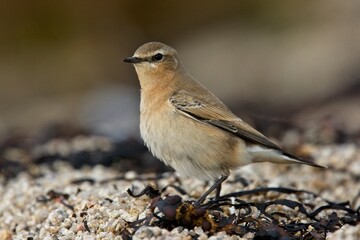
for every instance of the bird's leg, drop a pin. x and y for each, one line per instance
(217, 193)
(216, 185)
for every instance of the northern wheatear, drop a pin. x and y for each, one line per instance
(189, 128)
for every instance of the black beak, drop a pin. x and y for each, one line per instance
(133, 60)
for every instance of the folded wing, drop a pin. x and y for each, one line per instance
(215, 113)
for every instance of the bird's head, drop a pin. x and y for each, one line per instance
(155, 60)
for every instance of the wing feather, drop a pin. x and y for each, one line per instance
(215, 113)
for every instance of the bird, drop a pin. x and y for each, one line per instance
(188, 128)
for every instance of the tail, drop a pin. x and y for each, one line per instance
(260, 154)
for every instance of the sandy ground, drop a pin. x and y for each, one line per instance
(57, 201)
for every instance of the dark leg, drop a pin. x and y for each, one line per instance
(216, 185)
(218, 191)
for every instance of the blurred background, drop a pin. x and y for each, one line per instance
(61, 61)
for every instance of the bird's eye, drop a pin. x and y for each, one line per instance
(158, 57)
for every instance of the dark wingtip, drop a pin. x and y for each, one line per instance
(302, 161)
